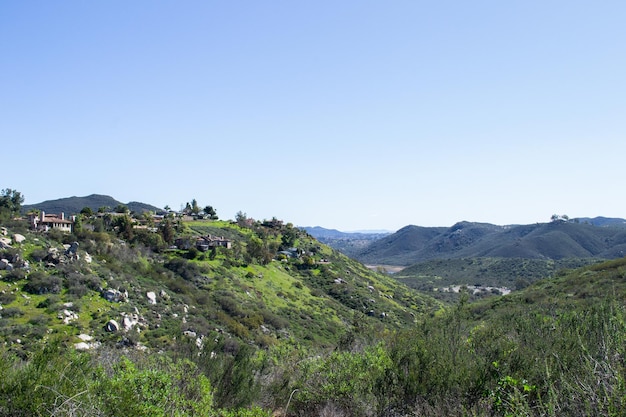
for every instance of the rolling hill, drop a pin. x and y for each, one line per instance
(73, 205)
(554, 240)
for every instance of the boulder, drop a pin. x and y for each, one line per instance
(71, 249)
(151, 297)
(3, 264)
(82, 346)
(112, 326)
(17, 238)
(68, 316)
(85, 337)
(190, 333)
(129, 322)
(5, 243)
(87, 258)
(115, 296)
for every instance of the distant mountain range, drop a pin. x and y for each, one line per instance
(73, 205)
(598, 237)
(349, 243)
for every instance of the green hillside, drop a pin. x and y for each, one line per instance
(250, 292)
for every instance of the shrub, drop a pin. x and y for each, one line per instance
(7, 298)
(42, 283)
(12, 312)
(14, 275)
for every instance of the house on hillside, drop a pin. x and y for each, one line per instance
(204, 243)
(44, 222)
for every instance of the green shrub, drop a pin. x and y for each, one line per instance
(42, 283)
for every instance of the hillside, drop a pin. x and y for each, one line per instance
(554, 240)
(483, 276)
(250, 292)
(73, 205)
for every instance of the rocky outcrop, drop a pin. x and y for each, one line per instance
(114, 296)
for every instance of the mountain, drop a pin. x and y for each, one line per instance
(323, 233)
(73, 205)
(348, 243)
(602, 221)
(554, 240)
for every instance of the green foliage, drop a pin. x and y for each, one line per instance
(156, 388)
(10, 203)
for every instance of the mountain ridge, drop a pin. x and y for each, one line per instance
(74, 204)
(553, 240)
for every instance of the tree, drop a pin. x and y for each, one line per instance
(210, 211)
(122, 208)
(10, 202)
(242, 219)
(195, 209)
(166, 229)
(87, 211)
(124, 226)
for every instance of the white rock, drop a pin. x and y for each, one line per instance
(151, 297)
(17, 238)
(82, 346)
(112, 326)
(85, 337)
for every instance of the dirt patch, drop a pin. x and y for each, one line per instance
(389, 269)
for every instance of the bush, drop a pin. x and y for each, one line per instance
(158, 388)
(14, 275)
(7, 298)
(42, 283)
(12, 312)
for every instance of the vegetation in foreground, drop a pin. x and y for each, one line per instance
(495, 358)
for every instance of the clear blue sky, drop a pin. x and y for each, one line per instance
(344, 114)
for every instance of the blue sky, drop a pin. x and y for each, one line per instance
(346, 114)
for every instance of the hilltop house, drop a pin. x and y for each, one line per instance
(44, 222)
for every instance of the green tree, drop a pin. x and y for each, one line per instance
(10, 203)
(166, 229)
(124, 226)
(210, 211)
(122, 208)
(290, 234)
(87, 211)
(195, 209)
